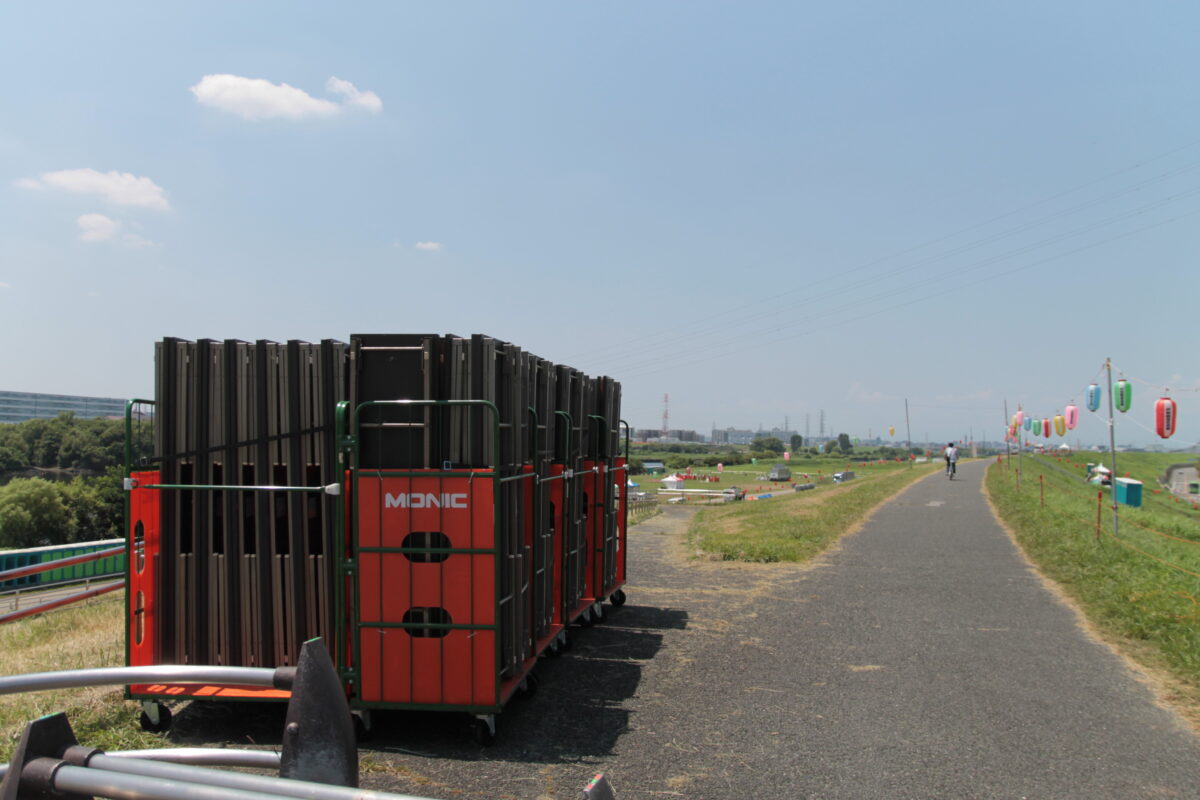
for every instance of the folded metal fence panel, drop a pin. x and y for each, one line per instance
(483, 502)
(242, 576)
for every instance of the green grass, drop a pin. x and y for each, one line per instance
(1149, 607)
(80, 637)
(796, 526)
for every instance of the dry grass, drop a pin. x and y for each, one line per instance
(81, 637)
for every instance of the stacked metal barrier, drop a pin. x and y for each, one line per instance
(245, 578)
(441, 527)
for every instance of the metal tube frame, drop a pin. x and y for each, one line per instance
(348, 424)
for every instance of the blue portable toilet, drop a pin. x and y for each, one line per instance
(1128, 491)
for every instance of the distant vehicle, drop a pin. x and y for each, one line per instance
(779, 472)
(842, 477)
(734, 493)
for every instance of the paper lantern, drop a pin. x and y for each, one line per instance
(1123, 395)
(1027, 423)
(1071, 416)
(1060, 425)
(1093, 397)
(891, 431)
(1020, 416)
(1046, 427)
(1165, 417)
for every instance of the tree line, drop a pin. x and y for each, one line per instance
(62, 480)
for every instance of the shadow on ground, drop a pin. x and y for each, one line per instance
(578, 711)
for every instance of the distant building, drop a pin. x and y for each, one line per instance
(732, 436)
(22, 406)
(654, 467)
(747, 436)
(651, 435)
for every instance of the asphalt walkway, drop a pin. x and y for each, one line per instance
(921, 658)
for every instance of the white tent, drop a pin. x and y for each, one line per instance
(672, 482)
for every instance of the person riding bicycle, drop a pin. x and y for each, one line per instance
(951, 456)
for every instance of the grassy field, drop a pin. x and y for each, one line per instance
(90, 635)
(1140, 587)
(795, 526)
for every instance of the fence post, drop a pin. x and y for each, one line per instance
(1042, 489)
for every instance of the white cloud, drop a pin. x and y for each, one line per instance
(366, 100)
(255, 98)
(120, 188)
(429, 246)
(99, 228)
(4, 285)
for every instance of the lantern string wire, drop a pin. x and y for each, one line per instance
(1164, 389)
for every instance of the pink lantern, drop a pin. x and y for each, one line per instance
(1071, 415)
(1020, 416)
(1165, 417)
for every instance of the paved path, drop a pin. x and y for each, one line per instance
(920, 659)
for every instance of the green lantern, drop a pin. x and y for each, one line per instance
(1123, 395)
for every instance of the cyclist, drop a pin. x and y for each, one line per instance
(951, 456)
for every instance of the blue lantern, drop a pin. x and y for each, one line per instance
(1093, 397)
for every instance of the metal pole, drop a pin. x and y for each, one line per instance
(90, 783)
(38, 608)
(907, 434)
(122, 676)
(200, 756)
(1112, 444)
(1020, 452)
(46, 566)
(237, 781)
(1007, 442)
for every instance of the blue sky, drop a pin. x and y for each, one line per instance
(764, 210)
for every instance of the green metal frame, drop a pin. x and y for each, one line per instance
(347, 426)
(129, 556)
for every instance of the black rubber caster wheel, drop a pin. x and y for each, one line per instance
(162, 725)
(362, 731)
(482, 733)
(529, 686)
(618, 598)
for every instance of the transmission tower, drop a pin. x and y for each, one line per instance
(666, 416)
(821, 431)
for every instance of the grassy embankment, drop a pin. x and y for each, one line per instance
(795, 526)
(1140, 588)
(76, 637)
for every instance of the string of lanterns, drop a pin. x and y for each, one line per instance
(1166, 413)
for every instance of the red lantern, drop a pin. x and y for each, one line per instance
(1165, 417)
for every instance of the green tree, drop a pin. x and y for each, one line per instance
(797, 441)
(97, 505)
(769, 444)
(33, 513)
(843, 443)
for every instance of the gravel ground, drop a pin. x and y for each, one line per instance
(920, 658)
